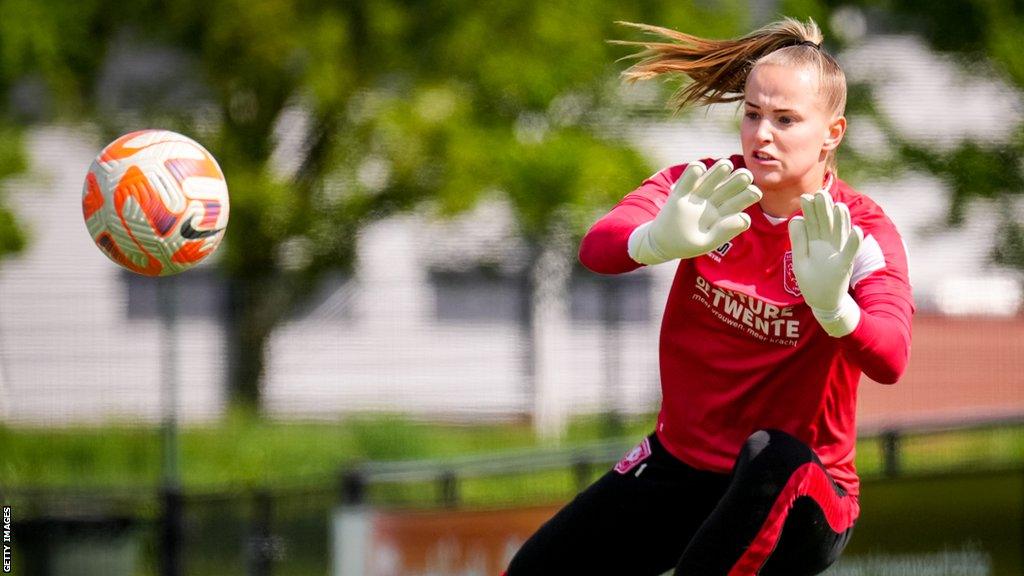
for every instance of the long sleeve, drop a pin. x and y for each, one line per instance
(604, 248)
(880, 344)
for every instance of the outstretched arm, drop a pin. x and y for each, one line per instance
(703, 210)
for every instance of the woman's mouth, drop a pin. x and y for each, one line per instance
(763, 156)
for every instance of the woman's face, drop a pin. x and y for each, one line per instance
(786, 132)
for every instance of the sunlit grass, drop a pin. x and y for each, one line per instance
(242, 451)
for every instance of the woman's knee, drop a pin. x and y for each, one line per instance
(775, 449)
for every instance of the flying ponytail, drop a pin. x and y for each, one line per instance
(718, 69)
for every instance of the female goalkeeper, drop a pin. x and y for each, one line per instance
(789, 285)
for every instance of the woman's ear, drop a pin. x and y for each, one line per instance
(836, 131)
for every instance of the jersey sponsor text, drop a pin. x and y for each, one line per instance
(764, 321)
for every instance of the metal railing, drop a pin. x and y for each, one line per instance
(447, 473)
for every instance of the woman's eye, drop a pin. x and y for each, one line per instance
(785, 120)
(751, 115)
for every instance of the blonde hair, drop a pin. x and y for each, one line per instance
(718, 69)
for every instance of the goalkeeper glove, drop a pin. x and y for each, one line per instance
(704, 211)
(824, 246)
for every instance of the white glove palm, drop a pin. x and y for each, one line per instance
(824, 247)
(704, 211)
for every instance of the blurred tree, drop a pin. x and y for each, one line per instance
(409, 101)
(25, 52)
(50, 52)
(985, 36)
(396, 103)
(12, 161)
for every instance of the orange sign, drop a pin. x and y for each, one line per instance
(410, 543)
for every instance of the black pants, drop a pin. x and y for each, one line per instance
(778, 513)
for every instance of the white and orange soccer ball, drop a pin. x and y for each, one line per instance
(155, 202)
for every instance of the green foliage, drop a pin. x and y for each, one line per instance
(12, 161)
(803, 9)
(61, 43)
(1009, 248)
(972, 170)
(567, 171)
(972, 28)
(983, 35)
(12, 237)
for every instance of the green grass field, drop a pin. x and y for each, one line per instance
(226, 465)
(242, 451)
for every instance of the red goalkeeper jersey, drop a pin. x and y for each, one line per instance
(741, 351)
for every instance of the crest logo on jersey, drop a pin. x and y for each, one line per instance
(637, 455)
(788, 276)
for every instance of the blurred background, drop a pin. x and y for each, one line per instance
(394, 364)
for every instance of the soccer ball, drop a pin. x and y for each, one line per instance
(155, 202)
